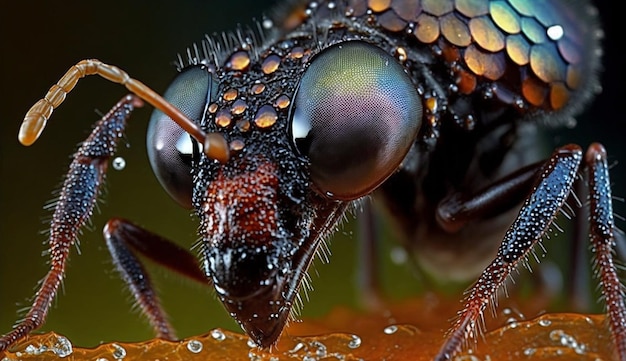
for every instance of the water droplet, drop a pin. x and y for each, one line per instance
(282, 102)
(194, 346)
(296, 53)
(556, 335)
(321, 350)
(355, 342)
(119, 352)
(218, 335)
(238, 107)
(545, 323)
(270, 64)
(257, 88)
(62, 347)
(238, 61)
(567, 341)
(119, 163)
(529, 351)
(236, 145)
(33, 350)
(230, 94)
(243, 125)
(265, 117)
(299, 346)
(223, 118)
(390, 330)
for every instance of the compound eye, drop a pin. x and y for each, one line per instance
(171, 149)
(355, 116)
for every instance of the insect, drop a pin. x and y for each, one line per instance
(398, 52)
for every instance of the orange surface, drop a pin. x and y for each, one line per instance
(349, 335)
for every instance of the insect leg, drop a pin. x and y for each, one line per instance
(501, 196)
(124, 239)
(458, 209)
(75, 205)
(603, 245)
(535, 217)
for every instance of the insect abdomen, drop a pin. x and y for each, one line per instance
(533, 55)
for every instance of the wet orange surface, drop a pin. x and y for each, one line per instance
(349, 335)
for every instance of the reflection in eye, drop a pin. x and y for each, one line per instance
(355, 116)
(170, 148)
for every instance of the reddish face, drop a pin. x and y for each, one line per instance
(307, 133)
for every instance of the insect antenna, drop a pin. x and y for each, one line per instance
(214, 144)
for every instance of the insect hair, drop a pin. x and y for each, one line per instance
(214, 49)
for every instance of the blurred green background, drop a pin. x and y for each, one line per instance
(40, 41)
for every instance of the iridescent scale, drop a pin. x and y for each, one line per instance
(537, 57)
(541, 50)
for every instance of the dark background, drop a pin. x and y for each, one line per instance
(39, 42)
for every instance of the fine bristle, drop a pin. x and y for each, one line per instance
(214, 49)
